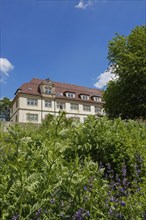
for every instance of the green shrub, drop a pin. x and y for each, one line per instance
(67, 170)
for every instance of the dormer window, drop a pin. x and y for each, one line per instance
(97, 98)
(70, 94)
(85, 97)
(48, 90)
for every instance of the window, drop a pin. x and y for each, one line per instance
(87, 108)
(48, 104)
(74, 106)
(97, 109)
(60, 105)
(70, 95)
(48, 90)
(85, 97)
(31, 117)
(97, 99)
(32, 102)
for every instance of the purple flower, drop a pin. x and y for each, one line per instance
(38, 213)
(87, 214)
(101, 165)
(52, 201)
(122, 190)
(80, 214)
(123, 203)
(124, 170)
(110, 211)
(138, 171)
(108, 166)
(85, 188)
(138, 189)
(112, 199)
(14, 217)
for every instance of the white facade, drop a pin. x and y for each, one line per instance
(34, 108)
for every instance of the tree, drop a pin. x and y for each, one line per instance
(125, 97)
(5, 108)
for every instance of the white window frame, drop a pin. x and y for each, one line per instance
(32, 102)
(60, 105)
(97, 99)
(97, 109)
(48, 104)
(85, 97)
(74, 106)
(70, 94)
(87, 108)
(31, 117)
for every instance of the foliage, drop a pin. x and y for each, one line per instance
(67, 170)
(125, 97)
(5, 108)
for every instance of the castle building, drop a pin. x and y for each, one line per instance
(38, 98)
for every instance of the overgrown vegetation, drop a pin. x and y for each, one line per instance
(68, 170)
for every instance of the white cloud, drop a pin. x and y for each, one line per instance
(5, 67)
(84, 4)
(105, 77)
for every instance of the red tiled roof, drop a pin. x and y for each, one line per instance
(32, 88)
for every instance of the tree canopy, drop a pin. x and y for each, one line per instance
(125, 97)
(5, 108)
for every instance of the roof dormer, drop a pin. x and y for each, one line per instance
(70, 94)
(47, 87)
(84, 96)
(96, 98)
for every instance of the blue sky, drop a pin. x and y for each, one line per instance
(64, 40)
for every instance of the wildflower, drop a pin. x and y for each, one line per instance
(138, 171)
(38, 213)
(80, 214)
(110, 211)
(14, 217)
(108, 167)
(122, 190)
(123, 203)
(87, 214)
(101, 165)
(85, 188)
(124, 170)
(112, 199)
(52, 201)
(138, 189)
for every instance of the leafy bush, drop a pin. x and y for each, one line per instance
(67, 170)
